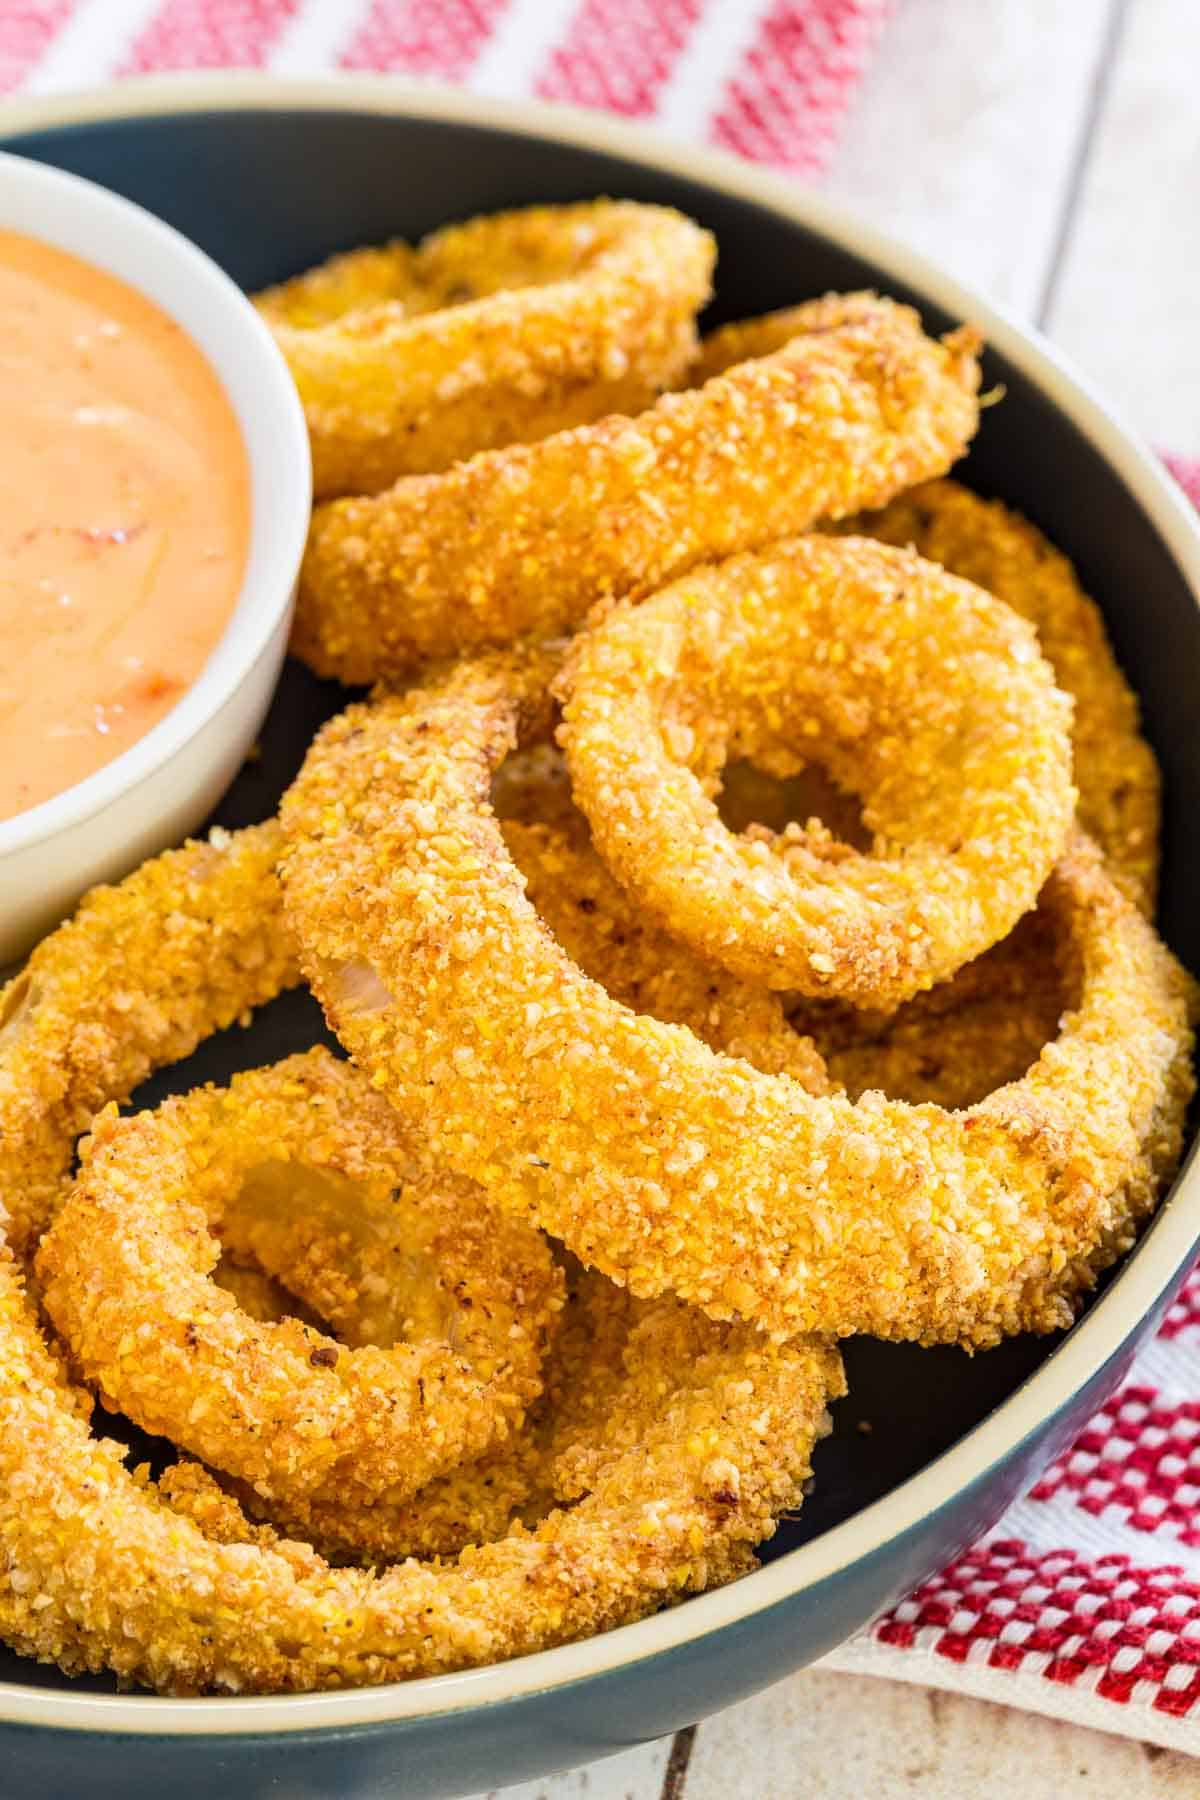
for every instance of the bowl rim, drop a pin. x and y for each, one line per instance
(277, 531)
(1139, 1284)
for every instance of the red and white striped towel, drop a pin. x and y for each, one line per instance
(767, 78)
(1085, 1601)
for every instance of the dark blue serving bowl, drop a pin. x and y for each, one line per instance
(269, 177)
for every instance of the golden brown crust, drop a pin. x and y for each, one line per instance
(525, 540)
(1115, 769)
(187, 945)
(305, 1168)
(498, 331)
(920, 692)
(605, 931)
(617, 1133)
(518, 1481)
(102, 1571)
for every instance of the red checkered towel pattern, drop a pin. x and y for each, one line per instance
(1085, 1601)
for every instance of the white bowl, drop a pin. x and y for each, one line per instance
(164, 785)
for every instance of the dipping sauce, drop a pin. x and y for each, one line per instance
(124, 517)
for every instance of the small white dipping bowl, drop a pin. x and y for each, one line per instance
(159, 789)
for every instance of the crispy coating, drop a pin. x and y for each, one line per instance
(1115, 769)
(442, 1308)
(953, 1045)
(475, 1503)
(661, 1163)
(854, 407)
(259, 1294)
(608, 935)
(923, 693)
(185, 946)
(518, 1481)
(194, 1492)
(498, 331)
(101, 1572)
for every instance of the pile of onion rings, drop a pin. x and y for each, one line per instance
(853, 407)
(499, 331)
(616, 1132)
(700, 1437)
(738, 975)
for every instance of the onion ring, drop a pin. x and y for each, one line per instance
(523, 1478)
(1119, 784)
(659, 1162)
(856, 406)
(924, 694)
(497, 331)
(101, 1571)
(124, 1272)
(203, 928)
(594, 921)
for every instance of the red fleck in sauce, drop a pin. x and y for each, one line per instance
(124, 517)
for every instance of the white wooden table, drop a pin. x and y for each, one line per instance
(1048, 153)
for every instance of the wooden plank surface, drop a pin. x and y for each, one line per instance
(842, 1737)
(1125, 300)
(1049, 155)
(636, 1774)
(964, 137)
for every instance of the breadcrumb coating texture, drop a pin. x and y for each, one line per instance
(923, 693)
(1115, 768)
(185, 946)
(520, 1480)
(605, 931)
(100, 1572)
(953, 1045)
(663, 1164)
(493, 332)
(857, 405)
(125, 1278)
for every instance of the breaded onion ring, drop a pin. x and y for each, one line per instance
(186, 945)
(857, 405)
(125, 1266)
(498, 331)
(710, 1441)
(599, 927)
(1115, 769)
(523, 1478)
(594, 920)
(925, 695)
(661, 1163)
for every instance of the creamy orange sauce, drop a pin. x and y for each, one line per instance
(124, 517)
